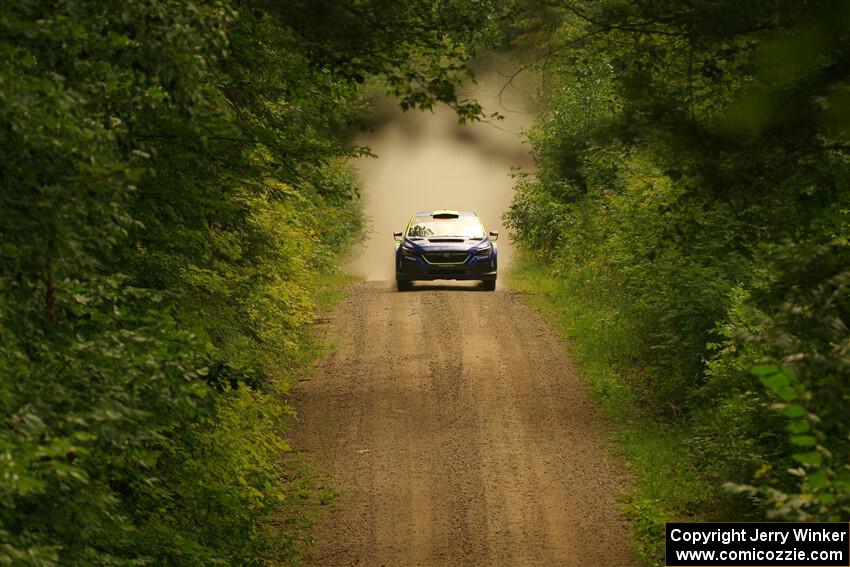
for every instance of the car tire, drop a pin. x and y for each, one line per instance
(402, 285)
(489, 285)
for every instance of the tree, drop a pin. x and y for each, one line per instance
(173, 178)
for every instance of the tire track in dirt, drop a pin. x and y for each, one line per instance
(458, 434)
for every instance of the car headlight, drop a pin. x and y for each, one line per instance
(485, 251)
(408, 252)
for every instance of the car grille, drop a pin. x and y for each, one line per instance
(445, 257)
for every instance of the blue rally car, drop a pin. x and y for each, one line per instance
(445, 245)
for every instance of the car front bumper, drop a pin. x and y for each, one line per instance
(415, 269)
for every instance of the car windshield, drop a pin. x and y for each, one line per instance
(461, 227)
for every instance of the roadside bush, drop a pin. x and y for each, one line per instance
(692, 173)
(174, 185)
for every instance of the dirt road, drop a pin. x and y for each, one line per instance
(457, 435)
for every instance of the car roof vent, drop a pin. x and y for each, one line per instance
(444, 214)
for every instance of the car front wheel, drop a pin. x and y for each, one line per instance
(489, 285)
(402, 285)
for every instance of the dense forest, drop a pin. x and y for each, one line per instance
(175, 179)
(691, 211)
(176, 183)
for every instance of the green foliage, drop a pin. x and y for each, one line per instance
(174, 185)
(805, 342)
(692, 172)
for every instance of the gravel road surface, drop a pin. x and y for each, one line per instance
(457, 434)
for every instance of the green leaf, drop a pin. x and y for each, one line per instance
(817, 479)
(811, 458)
(794, 410)
(798, 426)
(765, 370)
(787, 394)
(803, 440)
(777, 380)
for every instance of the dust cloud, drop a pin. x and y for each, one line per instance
(429, 161)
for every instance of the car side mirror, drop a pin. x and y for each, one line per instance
(397, 236)
(494, 235)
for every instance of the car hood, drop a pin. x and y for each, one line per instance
(435, 244)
